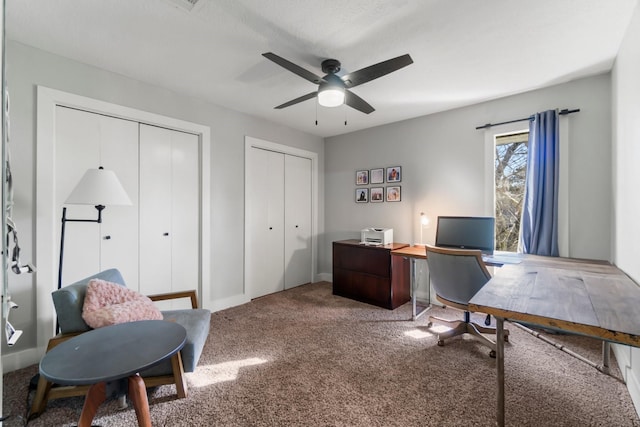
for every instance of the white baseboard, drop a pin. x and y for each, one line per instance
(229, 302)
(21, 359)
(324, 277)
(629, 374)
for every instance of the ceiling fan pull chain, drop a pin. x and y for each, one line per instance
(345, 114)
(316, 114)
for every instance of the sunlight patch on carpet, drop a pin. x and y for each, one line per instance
(221, 372)
(424, 332)
(418, 333)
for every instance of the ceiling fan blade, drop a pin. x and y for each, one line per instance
(297, 100)
(372, 72)
(354, 101)
(296, 69)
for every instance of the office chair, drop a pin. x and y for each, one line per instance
(456, 276)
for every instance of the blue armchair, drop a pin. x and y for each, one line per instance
(68, 303)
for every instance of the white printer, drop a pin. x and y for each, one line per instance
(376, 236)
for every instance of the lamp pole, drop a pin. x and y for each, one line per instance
(100, 208)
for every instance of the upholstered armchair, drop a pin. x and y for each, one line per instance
(69, 302)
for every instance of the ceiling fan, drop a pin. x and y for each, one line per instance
(334, 90)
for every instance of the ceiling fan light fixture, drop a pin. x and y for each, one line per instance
(331, 96)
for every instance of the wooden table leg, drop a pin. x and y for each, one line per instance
(500, 368)
(138, 395)
(95, 396)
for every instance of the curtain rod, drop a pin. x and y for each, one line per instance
(561, 112)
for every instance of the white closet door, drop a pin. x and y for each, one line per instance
(297, 213)
(265, 217)
(185, 212)
(155, 210)
(87, 140)
(119, 228)
(169, 212)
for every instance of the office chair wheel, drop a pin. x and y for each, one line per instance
(430, 324)
(492, 354)
(441, 343)
(487, 321)
(506, 337)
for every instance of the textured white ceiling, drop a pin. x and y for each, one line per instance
(464, 51)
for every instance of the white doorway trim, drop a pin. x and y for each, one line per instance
(47, 222)
(251, 142)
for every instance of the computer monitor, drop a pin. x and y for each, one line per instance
(466, 232)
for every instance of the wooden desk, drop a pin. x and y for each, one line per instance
(592, 298)
(414, 253)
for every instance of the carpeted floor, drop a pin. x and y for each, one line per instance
(304, 357)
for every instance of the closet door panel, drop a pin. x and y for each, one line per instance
(185, 208)
(297, 214)
(155, 212)
(77, 149)
(265, 216)
(119, 228)
(87, 140)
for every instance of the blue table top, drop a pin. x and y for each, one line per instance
(112, 352)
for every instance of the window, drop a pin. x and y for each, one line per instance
(510, 171)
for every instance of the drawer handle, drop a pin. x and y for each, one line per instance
(165, 234)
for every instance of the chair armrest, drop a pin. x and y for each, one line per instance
(60, 338)
(176, 295)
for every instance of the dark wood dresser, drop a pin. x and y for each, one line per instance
(370, 274)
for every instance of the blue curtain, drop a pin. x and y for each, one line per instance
(539, 225)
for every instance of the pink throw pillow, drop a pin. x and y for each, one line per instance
(107, 303)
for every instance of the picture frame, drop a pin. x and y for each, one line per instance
(362, 195)
(394, 193)
(377, 195)
(377, 176)
(362, 177)
(394, 174)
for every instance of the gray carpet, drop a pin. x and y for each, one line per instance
(304, 357)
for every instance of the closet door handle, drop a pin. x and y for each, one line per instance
(107, 237)
(165, 234)
(270, 228)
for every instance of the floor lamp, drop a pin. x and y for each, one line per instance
(98, 187)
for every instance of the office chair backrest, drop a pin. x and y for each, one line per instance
(456, 274)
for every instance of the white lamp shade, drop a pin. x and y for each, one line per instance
(424, 219)
(99, 187)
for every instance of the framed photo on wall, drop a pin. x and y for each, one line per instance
(394, 174)
(377, 194)
(362, 195)
(362, 177)
(394, 194)
(377, 176)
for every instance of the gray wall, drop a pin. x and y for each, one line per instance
(28, 67)
(443, 167)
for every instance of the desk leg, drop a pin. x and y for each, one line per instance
(414, 290)
(606, 353)
(500, 366)
(138, 395)
(95, 396)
